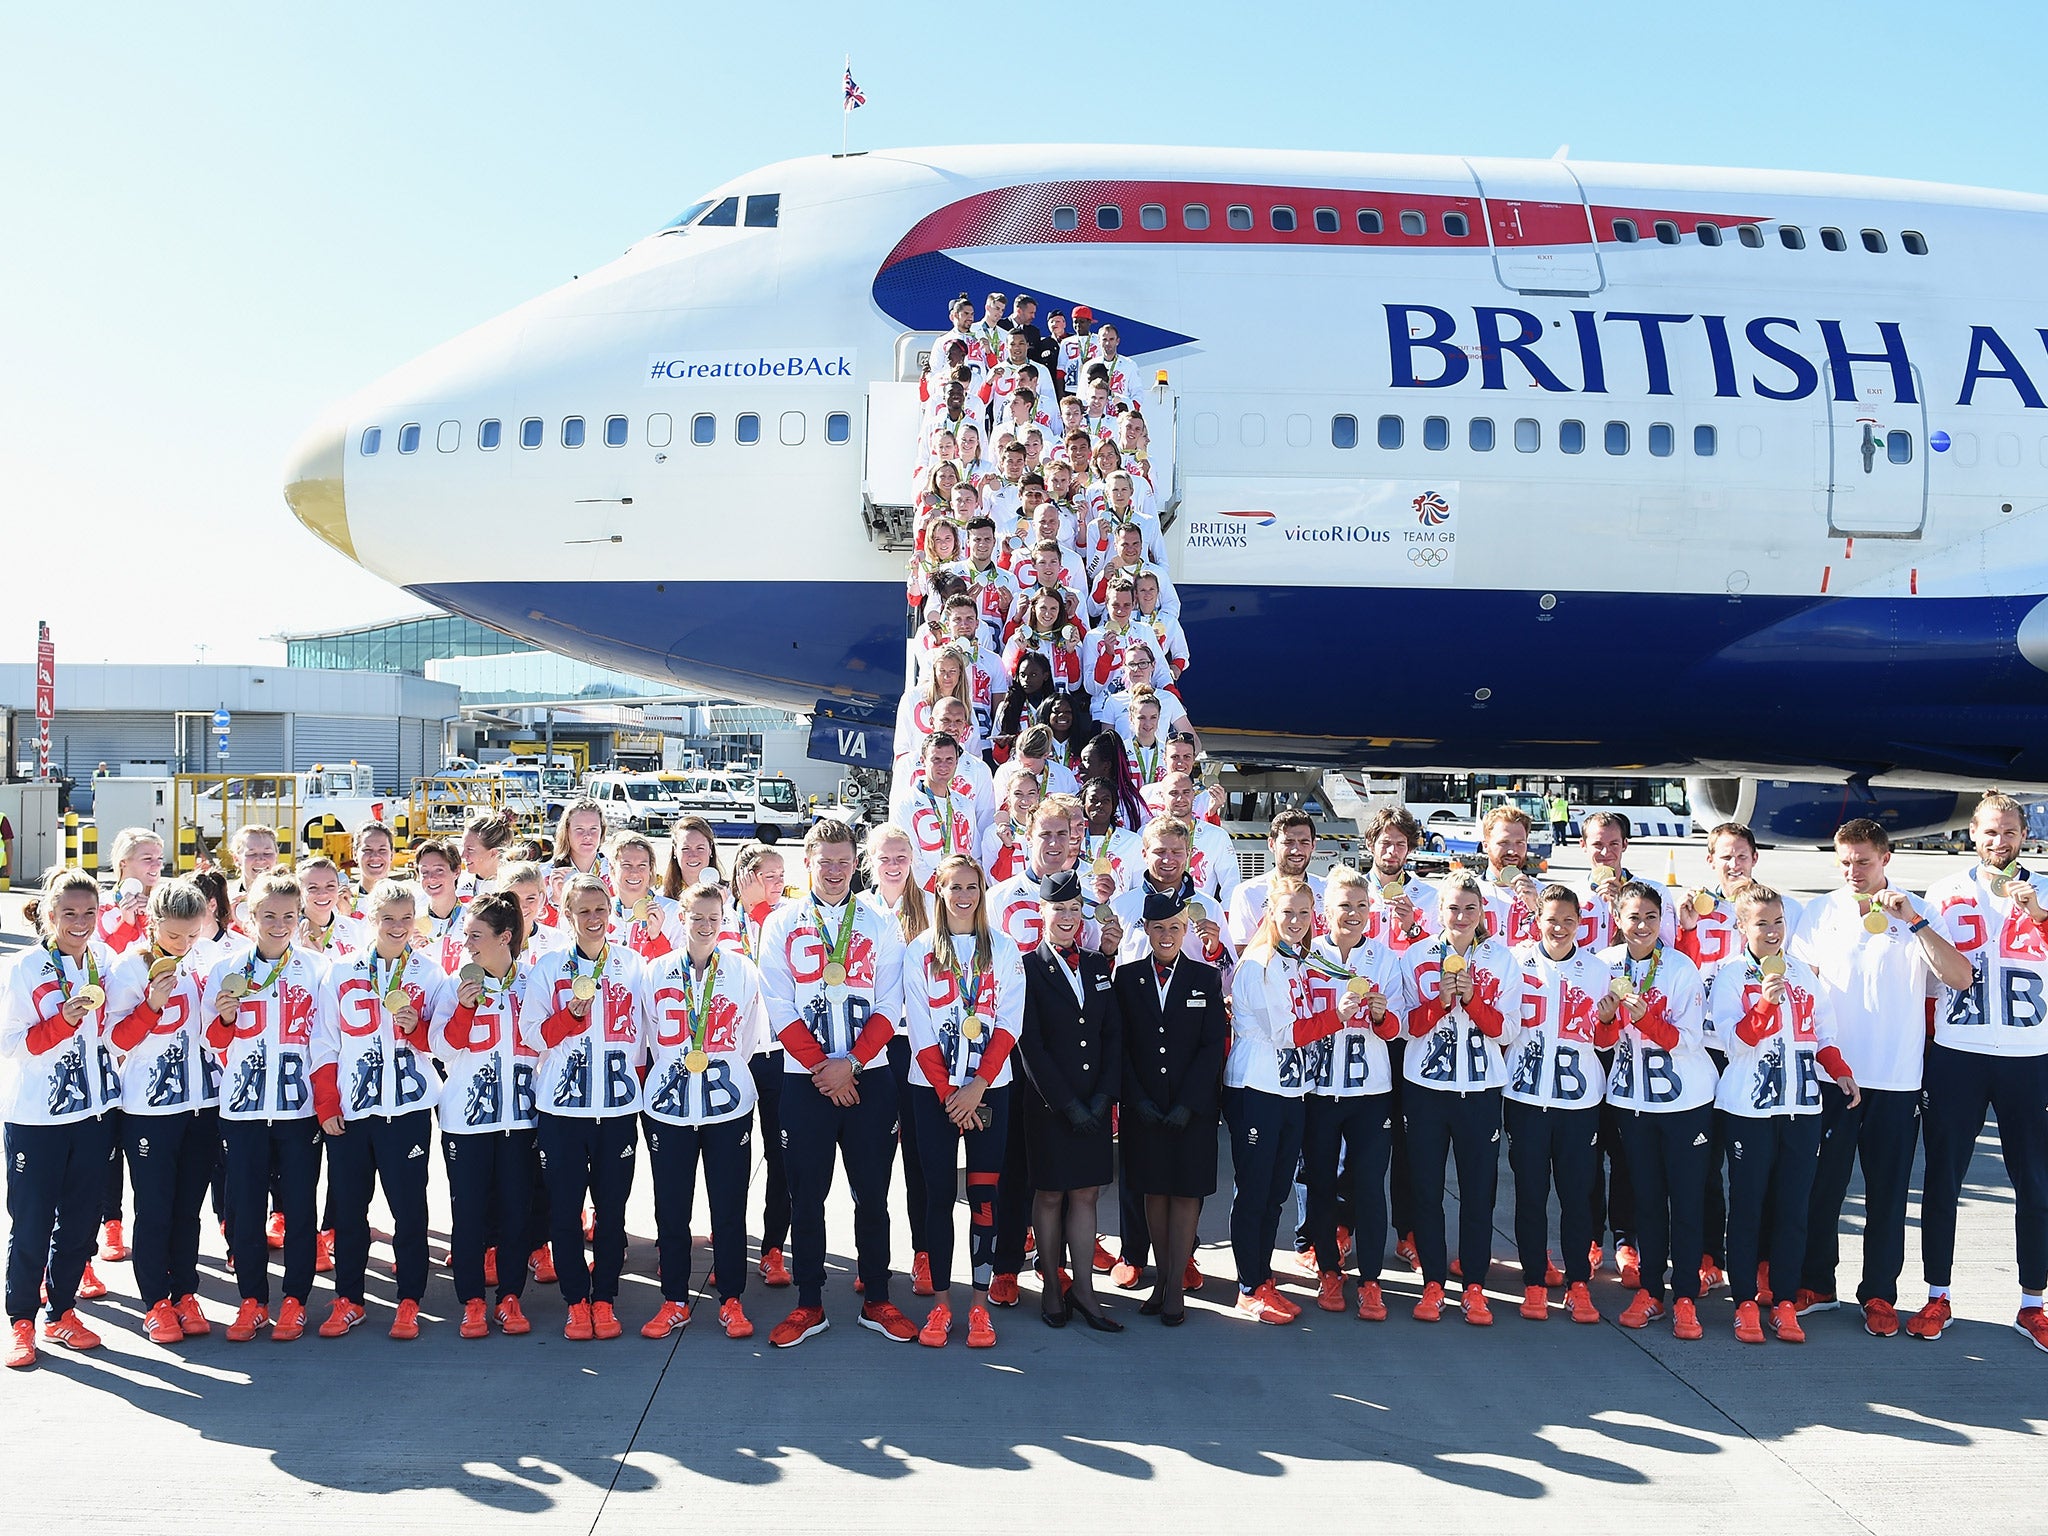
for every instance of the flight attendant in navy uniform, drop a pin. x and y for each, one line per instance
(1073, 1064)
(1176, 1035)
(57, 1082)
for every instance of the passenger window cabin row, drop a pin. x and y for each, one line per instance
(616, 432)
(1616, 437)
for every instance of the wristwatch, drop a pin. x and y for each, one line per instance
(854, 1062)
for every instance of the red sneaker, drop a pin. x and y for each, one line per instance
(1749, 1326)
(476, 1322)
(490, 1266)
(1710, 1274)
(510, 1318)
(323, 1253)
(1405, 1251)
(774, 1273)
(290, 1326)
(1271, 1291)
(1535, 1303)
(112, 1247)
(70, 1332)
(1805, 1301)
(1685, 1320)
(1430, 1309)
(921, 1275)
(1579, 1302)
(732, 1317)
(1305, 1259)
(577, 1324)
(1191, 1277)
(1593, 1257)
(191, 1319)
(1030, 1242)
(589, 1225)
(1259, 1308)
(798, 1326)
(1372, 1306)
(90, 1286)
(274, 1232)
(671, 1316)
(1642, 1310)
(1785, 1323)
(1002, 1291)
(1125, 1275)
(1330, 1291)
(1104, 1259)
(405, 1323)
(1880, 1318)
(887, 1319)
(160, 1325)
(344, 1315)
(1628, 1259)
(1344, 1245)
(542, 1263)
(1473, 1303)
(1932, 1320)
(1457, 1269)
(1764, 1298)
(21, 1351)
(2033, 1322)
(938, 1327)
(1553, 1276)
(981, 1330)
(604, 1322)
(250, 1317)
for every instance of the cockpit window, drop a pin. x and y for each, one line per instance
(763, 210)
(689, 213)
(725, 215)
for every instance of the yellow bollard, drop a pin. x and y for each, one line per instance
(89, 847)
(70, 839)
(188, 850)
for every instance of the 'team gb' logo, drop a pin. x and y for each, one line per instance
(1431, 510)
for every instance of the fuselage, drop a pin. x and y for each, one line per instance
(1473, 463)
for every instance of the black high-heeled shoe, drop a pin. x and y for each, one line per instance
(1096, 1320)
(1174, 1319)
(1057, 1319)
(1151, 1306)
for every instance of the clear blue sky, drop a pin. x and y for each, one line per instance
(218, 219)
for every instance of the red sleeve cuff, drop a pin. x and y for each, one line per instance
(1389, 1027)
(1831, 1062)
(220, 1034)
(1757, 1023)
(874, 1039)
(134, 1029)
(932, 1062)
(1689, 944)
(657, 948)
(1000, 1044)
(1656, 1028)
(45, 1037)
(1488, 1019)
(1606, 1034)
(1323, 1024)
(1425, 1017)
(327, 1093)
(559, 1026)
(799, 1043)
(458, 1027)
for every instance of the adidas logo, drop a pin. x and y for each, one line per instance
(1700, 1140)
(626, 1151)
(417, 1151)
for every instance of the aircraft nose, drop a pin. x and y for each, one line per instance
(312, 485)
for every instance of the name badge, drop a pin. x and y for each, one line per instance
(1198, 1002)
(1102, 983)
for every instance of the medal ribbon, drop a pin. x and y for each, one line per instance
(1649, 977)
(942, 807)
(92, 972)
(383, 987)
(249, 971)
(697, 1008)
(836, 955)
(597, 975)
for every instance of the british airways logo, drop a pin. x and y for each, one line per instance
(1263, 519)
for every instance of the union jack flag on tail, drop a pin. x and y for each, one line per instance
(855, 96)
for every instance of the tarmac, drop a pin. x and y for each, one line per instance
(1223, 1425)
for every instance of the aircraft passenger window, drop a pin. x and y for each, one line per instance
(1066, 219)
(1965, 448)
(1390, 431)
(746, 428)
(838, 427)
(1571, 437)
(704, 430)
(1109, 216)
(1195, 215)
(1237, 216)
(409, 438)
(489, 433)
(373, 439)
(530, 432)
(572, 431)
(660, 429)
(1703, 444)
(1617, 438)
(1343, 431)
(1898, 447)
(1710, 234)
(1873, 241)
(1413, 223)
(1626, 232)
(1792, 237)
(2008, 449)
(1457, 226)
(449, 437)
(725, 215)
(690, 213)
(1667, 232)
(1662, 439)
(1283, 219)
(1479, 436)
(1299, 429)
(1152, 216)
(1749, 442)
(1326, 221)
(1528, 435)
(1832, 239)
(1251, 430)
(764, 210)
(1750, 236)
(1436, 433)
(615, 431)
(1369, 221)
(791, 428)
(1914, 242)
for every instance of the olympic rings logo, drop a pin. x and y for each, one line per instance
(1431, 556)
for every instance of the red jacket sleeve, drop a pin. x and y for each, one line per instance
(46, 1036)
(459, 1025)
(1321, 1026)
(874, 1039)
(1606, 1033)
(1831, 1062)
(1761, 1020)
(1426, 1016)
(220, 1034)
(932, 1061)
(1689, 944)
(799, 1043)
(1486, 1018)
(559, 1026)
(1389, 1027)
(1001, 1042)
(1654, 1027)
(327, 1093)
(657, 947)
(131, 1031)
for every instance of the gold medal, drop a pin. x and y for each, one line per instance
(1506, 877)
(165, 965)
(1453, 963)
(1772, 965)
(583, 988)
(1100, 866)
(1702, 904)
(1359, 986)
(1392, 890)
(643, 909)
(473, 972)
(1876, 920)
(1620, 987)
(423, 925)
(973, 1026)
(235, 986)
(92, 996)
(696, 1061)
(835, 974)
(396, 999)
(1998, 880)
